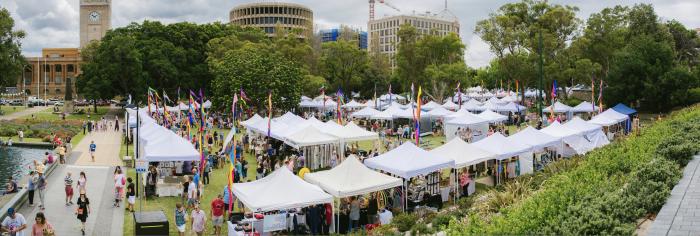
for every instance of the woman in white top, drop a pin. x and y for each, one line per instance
(119, 182)
(82, 181)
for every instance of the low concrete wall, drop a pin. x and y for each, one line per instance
(18, 199)
(39, 145)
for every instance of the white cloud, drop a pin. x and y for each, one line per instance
(54, 23)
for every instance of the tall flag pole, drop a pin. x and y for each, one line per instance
(150, 94)
(338, 98)
(269, 111)
(517, 104)
(375, 95)
(232, 156)
(411, 101)
(593, 93)
(459, 96)
(417, 115)
(389, 94)
(323, 96)
(600, 97)
(554, 96)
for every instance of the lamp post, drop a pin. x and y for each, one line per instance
(541, 62)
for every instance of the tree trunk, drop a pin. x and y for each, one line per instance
(94, 104)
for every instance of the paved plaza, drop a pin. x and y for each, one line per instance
(104, 219)
(681, 213)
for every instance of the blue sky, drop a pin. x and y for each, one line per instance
(54, 23)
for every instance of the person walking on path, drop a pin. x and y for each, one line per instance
(62, 154)
(180, 219)
(130, 194)
(93, 147)
(42, 227)
(119, 182)
(217, 214)
(20, 134)
(82, 182)
(68, 181)
(41, 186)
(199, 220)
(31, 187)
(116, 123)
(83, 211)
(14, 223)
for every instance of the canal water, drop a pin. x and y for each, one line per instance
(17, 161)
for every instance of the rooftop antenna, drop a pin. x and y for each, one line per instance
(445, 4)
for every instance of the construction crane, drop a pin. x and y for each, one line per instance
(371, 7)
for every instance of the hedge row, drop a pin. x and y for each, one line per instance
(605, 193)
(40, 129)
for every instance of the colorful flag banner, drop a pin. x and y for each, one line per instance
(269, 111)
(417, 116)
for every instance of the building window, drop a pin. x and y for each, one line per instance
(47, 68)
(70, 68)
(58, 80)
(58, 90)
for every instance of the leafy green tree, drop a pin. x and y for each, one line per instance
(343, 64)
(409, 66)
(257, 70)
(11, 59)
(311, 85)
(442, 77)
(686, 43)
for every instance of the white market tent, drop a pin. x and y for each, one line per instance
(309, 136)
(251, 120)
(430, 106)
(387, 114)
(364, 112)
(280, 190)
(558, 108)
(353, 105)
(450, 105)
(464, 119)
(592, 132)
(439, 112)
(305, 98)
(576, 143)
(511, 107)
(207, 104)
(536, 139)
(584, 106)
(608, 117)
(492, 117)
(322, 97)
(494, 101)
(463, 153)
(409, 161)
(394, 97)
(502, 147)
(488, 106)
(408, 113)
(473, 105)
(352, 132)
(351, 178)
(171, 148)
(289, 118)
(307, 104)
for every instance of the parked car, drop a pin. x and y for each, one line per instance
(16, 103)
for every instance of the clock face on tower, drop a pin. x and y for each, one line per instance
(94, 16)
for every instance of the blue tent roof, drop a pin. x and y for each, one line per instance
(621, 108)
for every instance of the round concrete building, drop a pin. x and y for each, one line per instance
(266, 16)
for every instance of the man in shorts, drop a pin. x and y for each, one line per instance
(217, 214)
(93, 147)
(199, 220)
(62, 154)
(180, 219)
(191, 194)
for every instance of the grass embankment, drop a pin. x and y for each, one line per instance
(48, 115)
(604, 192)
(7, 110)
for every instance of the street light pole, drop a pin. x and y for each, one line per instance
(540, 90)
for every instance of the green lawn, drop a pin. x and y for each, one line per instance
(12, 109)
(50, 116)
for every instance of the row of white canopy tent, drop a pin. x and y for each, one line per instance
(180, 107)
(299, 132)
(583, 107)
(158, 143)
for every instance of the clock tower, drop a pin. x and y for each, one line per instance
(95, 20)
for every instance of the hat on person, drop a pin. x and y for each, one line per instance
(10, 211)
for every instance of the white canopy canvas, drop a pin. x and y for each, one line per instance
(584, 106)
(492, 117)
(501, 146)
(207, 104)
(511, 107)
(320, 98)
(170, 148)
(353, 105)
(487, 95)
(494, 101)
(305, 98)
(464, 117)
(307, 103)
(280, 190)
(581, 126)
(575, 141)
(387, 114)
(408, 113)
(251, 120)
(409, 161)
(473, 105)
(309, 136)
(394, 97)
(289, 118)
(450, 105)
(430, 106)
(352, 132)
(537, 140)
(608, 117)
(558, 108)
(370, 103)
(439, 112)
(463, 153)
(351, 178)
(365, 112)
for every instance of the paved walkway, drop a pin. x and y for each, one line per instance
(104, 219)
(22, 113)
(681, 213)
